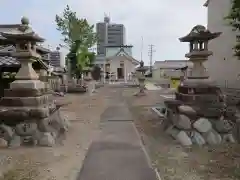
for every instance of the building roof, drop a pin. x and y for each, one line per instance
(10, 48)
(123, 53)
(172, 64)
(122, 46)
(8, 61)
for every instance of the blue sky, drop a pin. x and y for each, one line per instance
(160, 22)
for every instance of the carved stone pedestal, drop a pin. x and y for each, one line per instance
(31, 116)
(28, 113)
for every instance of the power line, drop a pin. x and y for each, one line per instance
(150, 53)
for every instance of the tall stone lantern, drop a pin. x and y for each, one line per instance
(141, 79)
(28, 113)
(198, 53)
(198, 114)
(197, 88)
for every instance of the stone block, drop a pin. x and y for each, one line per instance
(16, 114)
(29, 140)
(182, 122)
(197, 138)
(186, 110)
(209, 111)
(202, 125)
(39, 112)
(58, 122)
(27, 84)
(24, 101)
(3, 143)
(6, 132)
(228, 138)
(13, 114)
(232, 100)
(15, 141)
(26, 128)
(54, 123)
(47, 139)
(172, 131)
(222, 126)
(230, 111)
(212, 137)
(44, 125)
(26, 92)
(172, 104)
(183, 139)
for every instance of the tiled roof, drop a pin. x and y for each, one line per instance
(8, 61)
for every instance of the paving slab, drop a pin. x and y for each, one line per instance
(119, 132)
(117, 153)
(115, 161)
(117, 113)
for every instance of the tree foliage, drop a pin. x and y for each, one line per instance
(234, 21)
(80, 58)
(78, 36)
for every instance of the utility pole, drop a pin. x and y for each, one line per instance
(150, 54)
(141, 48)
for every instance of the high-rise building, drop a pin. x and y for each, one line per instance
(109, 34)
(56, 58)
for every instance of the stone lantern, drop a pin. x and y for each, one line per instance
(27, 112)
(197, 88)
(198, 53)
(88, 78)
(198, 114)
(141, 78)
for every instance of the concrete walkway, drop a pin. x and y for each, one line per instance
(118, 153)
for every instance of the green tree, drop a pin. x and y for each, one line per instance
(234, 20)
(78, 36)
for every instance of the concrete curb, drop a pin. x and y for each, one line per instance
(146, 154)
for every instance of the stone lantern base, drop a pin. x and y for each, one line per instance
(141, 92)
(30, 116)
(199, 115)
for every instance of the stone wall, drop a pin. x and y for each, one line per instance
(188, 127)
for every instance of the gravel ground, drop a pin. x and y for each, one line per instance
(172, 160)
(62, 162)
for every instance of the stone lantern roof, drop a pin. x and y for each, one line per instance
(23, 32)
(199, 32)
